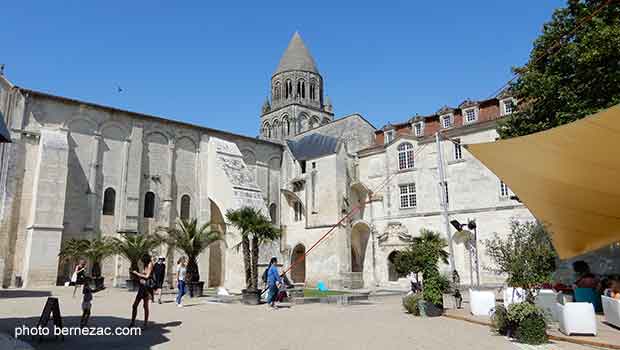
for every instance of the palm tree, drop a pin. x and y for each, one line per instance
(255, 229)
(192, 240)
(133, 246)
(95, 250)
(429, 247)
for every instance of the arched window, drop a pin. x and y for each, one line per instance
(273, 213)
(288, 89)
(299, 211)
(185, 206)
(276, 91)
(109, 201)
(301, 88)
(312, 91)
(392, 273)
(405, 156)
(149, 205)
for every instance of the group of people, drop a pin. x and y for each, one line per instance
(151, 282)
(584, 278)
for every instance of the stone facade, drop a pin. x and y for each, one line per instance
(375, 189)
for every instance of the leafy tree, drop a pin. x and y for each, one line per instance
(526, 255)
(573, 78)
(192, 240)
(133, 246)
(255, 229)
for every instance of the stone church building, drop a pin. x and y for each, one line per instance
(77, 169)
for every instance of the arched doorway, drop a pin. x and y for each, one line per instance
(217, 249)
(391, 260)
(359, 241)
(298, 272)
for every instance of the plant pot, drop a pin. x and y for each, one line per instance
(98, 281)
(428, 309)
(196, 288)
(250, 297)
(132, 285)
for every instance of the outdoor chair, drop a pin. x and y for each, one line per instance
(546, 300)
(588, 295)
(611, 309)
(513, 296)
(481, 302)
(576, 318)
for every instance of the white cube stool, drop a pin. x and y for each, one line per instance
(576, 318)
(481, 302)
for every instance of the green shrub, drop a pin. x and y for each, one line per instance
(500, 322)
(532, 330)
(432, 287)
(518, 312)
(410, 303)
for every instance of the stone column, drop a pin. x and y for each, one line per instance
(44, 233)
(120, 222)
(204, 205)
(133, 180)
(168, 209)
(92, 183)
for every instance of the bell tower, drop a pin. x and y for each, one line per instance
(297, 95)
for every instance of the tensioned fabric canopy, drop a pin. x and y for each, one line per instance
(568, 177)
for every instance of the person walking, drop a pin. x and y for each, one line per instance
(78, 275)
(181, 274)
(273, 282)
(159, 273)
(87, 302)
(145, 290)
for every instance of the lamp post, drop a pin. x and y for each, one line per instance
(469, 238)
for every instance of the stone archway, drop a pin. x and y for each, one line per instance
(298, 272)
(360, 234)
(392, 274)
(217, 250)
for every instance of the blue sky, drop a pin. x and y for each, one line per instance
(209, 62)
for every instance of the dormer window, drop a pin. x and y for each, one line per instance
(389, 136)
(507, 106)
(418, 128)
(470, 115)
(446, 121)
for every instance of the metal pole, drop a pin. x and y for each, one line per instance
(442, 199)
(476, 257)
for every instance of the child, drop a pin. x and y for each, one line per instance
(86, 302)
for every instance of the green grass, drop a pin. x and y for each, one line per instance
(315, 293)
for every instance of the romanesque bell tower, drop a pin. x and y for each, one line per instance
(297, 101)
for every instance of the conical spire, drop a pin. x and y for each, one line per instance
(297, 57)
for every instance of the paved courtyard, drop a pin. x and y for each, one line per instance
(203, 325)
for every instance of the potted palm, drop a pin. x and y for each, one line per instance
(192, 239)
(133, 246)
(429, 247)
(95, 250)
(255, 229)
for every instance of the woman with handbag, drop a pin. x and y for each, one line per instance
(145, 290)
(78, 275)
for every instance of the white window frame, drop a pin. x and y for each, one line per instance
(503, 104)
(465, 115)
(405, 156)
(504, 190)
(443, 119)
(408, 197)
(419, 125)
(388, 136)
(458, 149)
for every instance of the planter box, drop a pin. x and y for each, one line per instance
(132, 285)
(428, 309)
(250, 297)
(196, 288)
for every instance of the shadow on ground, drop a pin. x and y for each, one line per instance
(16, 293)
(151, 336)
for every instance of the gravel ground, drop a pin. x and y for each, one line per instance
(204, 325)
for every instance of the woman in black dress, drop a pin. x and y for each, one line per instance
(145, 292)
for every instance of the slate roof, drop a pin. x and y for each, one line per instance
(313, 146)
(5, 136)
(297, 57)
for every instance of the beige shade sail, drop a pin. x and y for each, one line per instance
(568, 177)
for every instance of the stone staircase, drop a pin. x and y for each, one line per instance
(352, 280)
